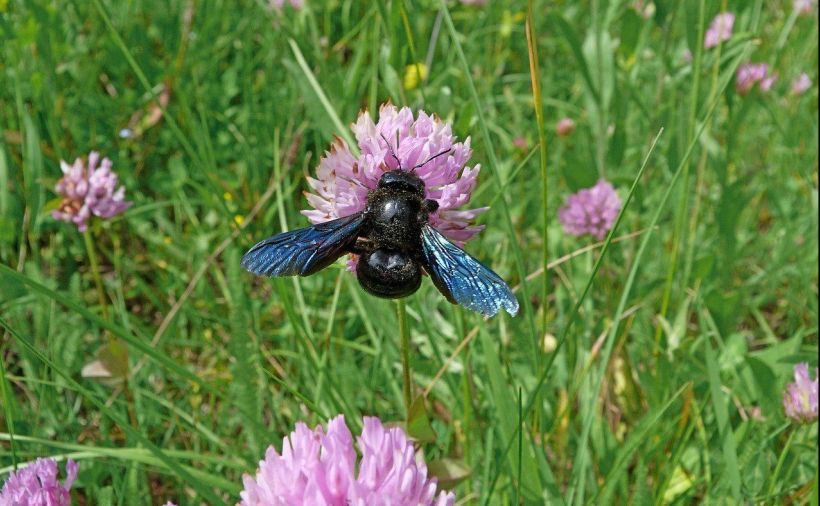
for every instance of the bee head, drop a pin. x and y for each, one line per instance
(403, 180)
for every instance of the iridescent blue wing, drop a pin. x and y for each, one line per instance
(463, 279)
(304, 251)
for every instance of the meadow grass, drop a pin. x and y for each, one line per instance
(648, 368)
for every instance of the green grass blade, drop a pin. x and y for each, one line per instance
(139, 342)
(639, 436)
(195, 483)
(505, 211)
(727, 435)
(579, 471)
(341, 130)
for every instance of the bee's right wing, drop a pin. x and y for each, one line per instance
(304, 251)
(463, 279)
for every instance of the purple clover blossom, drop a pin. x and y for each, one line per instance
(343, 180)
(89, 192)
(591, 211)
(800, 398)
(801, 84)
(767, 82)
(280, 4)
(319, 468)
(720, 29)
(37, 485)
(750, 74)
(804, 7)
(565, 127)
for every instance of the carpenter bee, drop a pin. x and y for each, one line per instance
(395, 242)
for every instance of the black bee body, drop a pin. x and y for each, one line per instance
(395, 243)
(390, 239)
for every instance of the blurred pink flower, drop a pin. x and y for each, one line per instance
(720, 30)
(687, 55)
(88, 192)
(320, 468)
(643, 8)
(564, 127)
(804, 7)
(343, 180)
(800, 398)
(591, 211)
(474, 2)
(520, 143)
(767, 82)
(801, 84)
(751, 73)
(280, 4)
(37, 485)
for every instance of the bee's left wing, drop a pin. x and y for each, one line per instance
(304, 251)
(463, 279)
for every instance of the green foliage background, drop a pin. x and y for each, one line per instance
(667, 385)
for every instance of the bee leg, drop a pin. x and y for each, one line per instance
(361, 246)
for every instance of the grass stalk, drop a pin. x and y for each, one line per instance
(8, 406)
(683, 203)
(95, 271)
(404, 333)
(535, 79)
(505, 210)
(780, 461)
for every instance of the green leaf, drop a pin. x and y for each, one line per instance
(114, 355)
(449, 472)
(418, 423)
(733, 352)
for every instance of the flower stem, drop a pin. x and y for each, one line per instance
(407, 390)
(95, 271)
(535, 81)
(773, 481)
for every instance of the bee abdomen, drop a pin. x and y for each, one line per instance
(388, 273)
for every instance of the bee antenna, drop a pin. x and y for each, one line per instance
(445, 152)
(390, 148)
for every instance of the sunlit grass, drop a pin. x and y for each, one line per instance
(652, 373)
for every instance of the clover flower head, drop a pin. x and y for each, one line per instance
(804, 7)
(319, 467)
(565, 127)
(37, 485)
(800, 398)
(343, 180)
(750, 74)
(720, 29)
(89, 191)
(280, 4)
(801, 84)
(591, 211)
